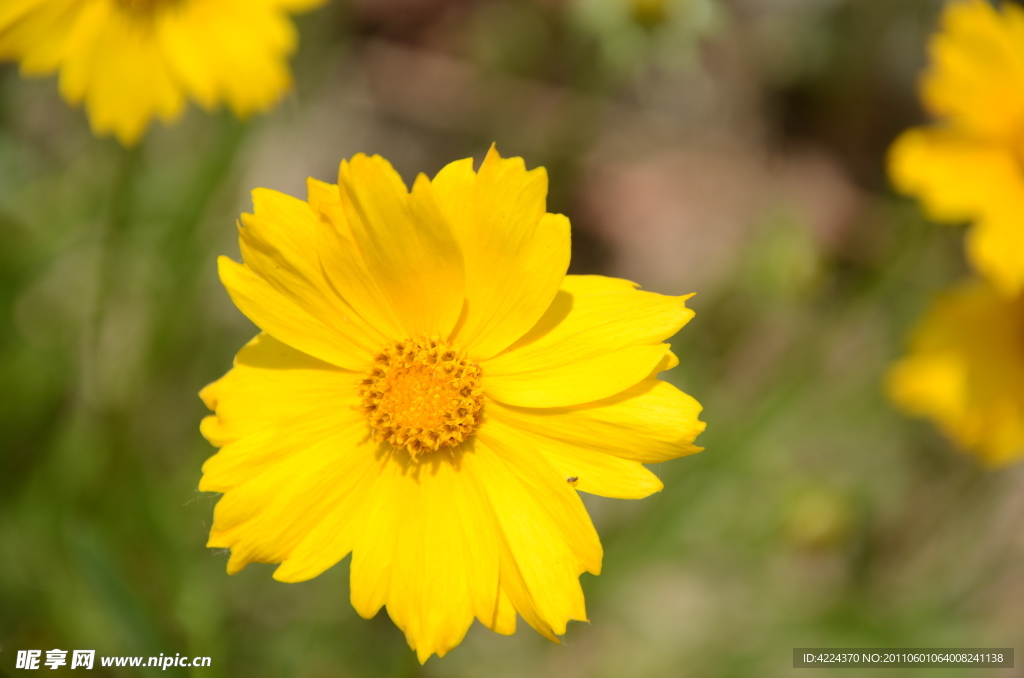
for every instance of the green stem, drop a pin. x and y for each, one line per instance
(117, 227)
(182, 249)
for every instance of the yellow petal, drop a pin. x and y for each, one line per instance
(125, 75)
(79, 51)
(277, 313)
(428, 550)
(649, 423)
(282, 287)
(515, 589)
(581, 468)
(956, 177)
(297, 5)
(267, 517)
(995, 244)
(515, 254)
(976, 77)
(929, 385)
(599, 337)
(413, 265)
(269, 382)
(36, 32)
(13, 11)
(445, 562)
(239, 461)
(504, 618)
(278, 245)
(965, 371)
(598, 447)
(372, 557)
(229, 51)
(320, 193)
(343, 265)
(549, 537)
(580, 380)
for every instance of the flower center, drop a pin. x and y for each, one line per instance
(422, 394)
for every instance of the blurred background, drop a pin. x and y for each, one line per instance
(732, 148)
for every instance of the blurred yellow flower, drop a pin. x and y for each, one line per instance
(129, 61)
(965, 371)
(429, 393)
(650, 13)
(969, 166)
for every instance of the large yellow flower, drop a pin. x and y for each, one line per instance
(965, 371)
(132, 60)
(429, 393)
(969, 166)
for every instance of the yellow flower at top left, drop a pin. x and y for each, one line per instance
(129, 61)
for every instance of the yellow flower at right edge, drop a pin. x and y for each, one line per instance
(969, 165)
(965, 371)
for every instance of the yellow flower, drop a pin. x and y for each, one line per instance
(650, 13)
(429, 393)
(965, 371)
(969, 166)
(132, 60)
